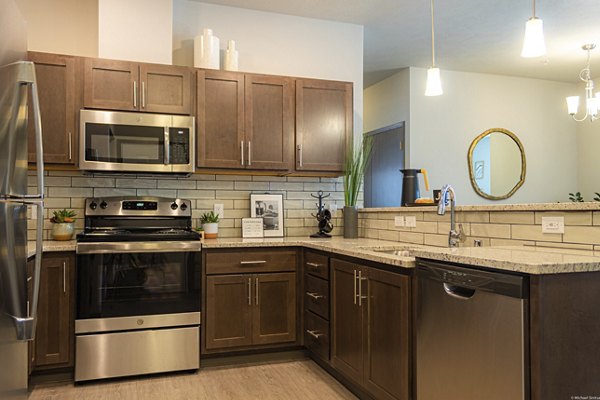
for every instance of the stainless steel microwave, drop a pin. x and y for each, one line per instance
(136, 142)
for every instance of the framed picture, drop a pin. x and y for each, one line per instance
(269, 207)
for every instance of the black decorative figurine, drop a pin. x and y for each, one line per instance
(323, 216)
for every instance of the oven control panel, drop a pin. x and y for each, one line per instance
(138, 206)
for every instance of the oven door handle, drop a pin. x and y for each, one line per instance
(138, 247)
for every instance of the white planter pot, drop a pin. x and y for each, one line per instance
(211, 230)
(63, 231)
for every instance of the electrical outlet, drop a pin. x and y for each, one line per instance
(219, 209)
(553, 224)
(399, 220)
(410, 221)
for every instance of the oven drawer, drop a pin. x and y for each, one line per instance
(250, 261)
(109, 355)
(316, 297)
(316, 264)
(316, 335)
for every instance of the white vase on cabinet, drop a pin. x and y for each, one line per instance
(206, 50)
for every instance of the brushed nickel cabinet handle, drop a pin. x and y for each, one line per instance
(28, 312)
(249, 153)
(314, 265)
(70, 146)
(314, 334)
(256, 291)
(360, 295)
(355, 278)
(299, 147)
(249, 291)
(143, 94)
(242, 151)
(64, 277)
(253, 262)
(134, 94)
(315, 296)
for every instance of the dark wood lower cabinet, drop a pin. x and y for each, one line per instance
(250, 310)
(54, 341)
(370, 328)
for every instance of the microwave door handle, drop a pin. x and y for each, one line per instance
(167, 147)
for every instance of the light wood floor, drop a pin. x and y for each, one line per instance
(302, 380)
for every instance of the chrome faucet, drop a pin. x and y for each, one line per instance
(448, 196)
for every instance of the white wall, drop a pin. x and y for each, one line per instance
(276, 44)
(135, 30)
(443, 127)
(62, 26)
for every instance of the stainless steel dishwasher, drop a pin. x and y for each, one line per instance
(471, 334)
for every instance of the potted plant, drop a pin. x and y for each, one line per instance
(357, 160)
(63, 225)
(210, 224)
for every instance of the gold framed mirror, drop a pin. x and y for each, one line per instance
(496, 164)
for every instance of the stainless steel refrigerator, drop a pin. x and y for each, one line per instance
(17, 315)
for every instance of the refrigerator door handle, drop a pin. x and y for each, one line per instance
(28, 77)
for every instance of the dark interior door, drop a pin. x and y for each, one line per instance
(383, 179)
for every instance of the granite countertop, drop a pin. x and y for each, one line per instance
(52, 245)
(525, 259)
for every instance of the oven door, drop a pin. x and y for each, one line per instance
(136, 279)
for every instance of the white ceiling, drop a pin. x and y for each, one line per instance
(471, 35)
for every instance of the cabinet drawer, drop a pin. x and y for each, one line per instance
(317, 296)
(316, 335)
(250, 261)
(316, 264)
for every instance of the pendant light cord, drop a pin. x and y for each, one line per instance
(432, 38)
(533, 8)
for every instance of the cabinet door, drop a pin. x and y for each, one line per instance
(269, 116)
(54, 333)
(228, 311)
(220, 119)
(347, 320)
(387, 335)
(323, 124)
(165, 89)
(56, 87)
(274, 317)
(109, 84)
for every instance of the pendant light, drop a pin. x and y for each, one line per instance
(434, 82)
(534, 44)
(592, 102)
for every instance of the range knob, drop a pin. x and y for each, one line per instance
(183, 207)
(103, 205)
(93, 205)
(174, 206)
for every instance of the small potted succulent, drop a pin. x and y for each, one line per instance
(63, 225)
(210, 224)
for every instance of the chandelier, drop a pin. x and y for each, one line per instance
(592, 102)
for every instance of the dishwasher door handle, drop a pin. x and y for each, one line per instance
(458, 292)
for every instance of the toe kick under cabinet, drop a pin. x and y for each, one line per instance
(250, 299)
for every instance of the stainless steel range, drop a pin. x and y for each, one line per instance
(138, 288)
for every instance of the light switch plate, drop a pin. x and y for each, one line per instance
(219, 209)
(410, 221)
(399, 220)
(553, 224)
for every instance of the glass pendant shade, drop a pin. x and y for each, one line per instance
(573, 104)
(434, 82)
(534, 44)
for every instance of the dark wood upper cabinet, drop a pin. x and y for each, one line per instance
(130, 86)
(274, 318)
(370, 325)
(165, 89)
(323, 124)
(220, 119)
(111, 85)
(228, 314)
(244, 121)
(56, 80)
(269, 118)
(54, 341)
